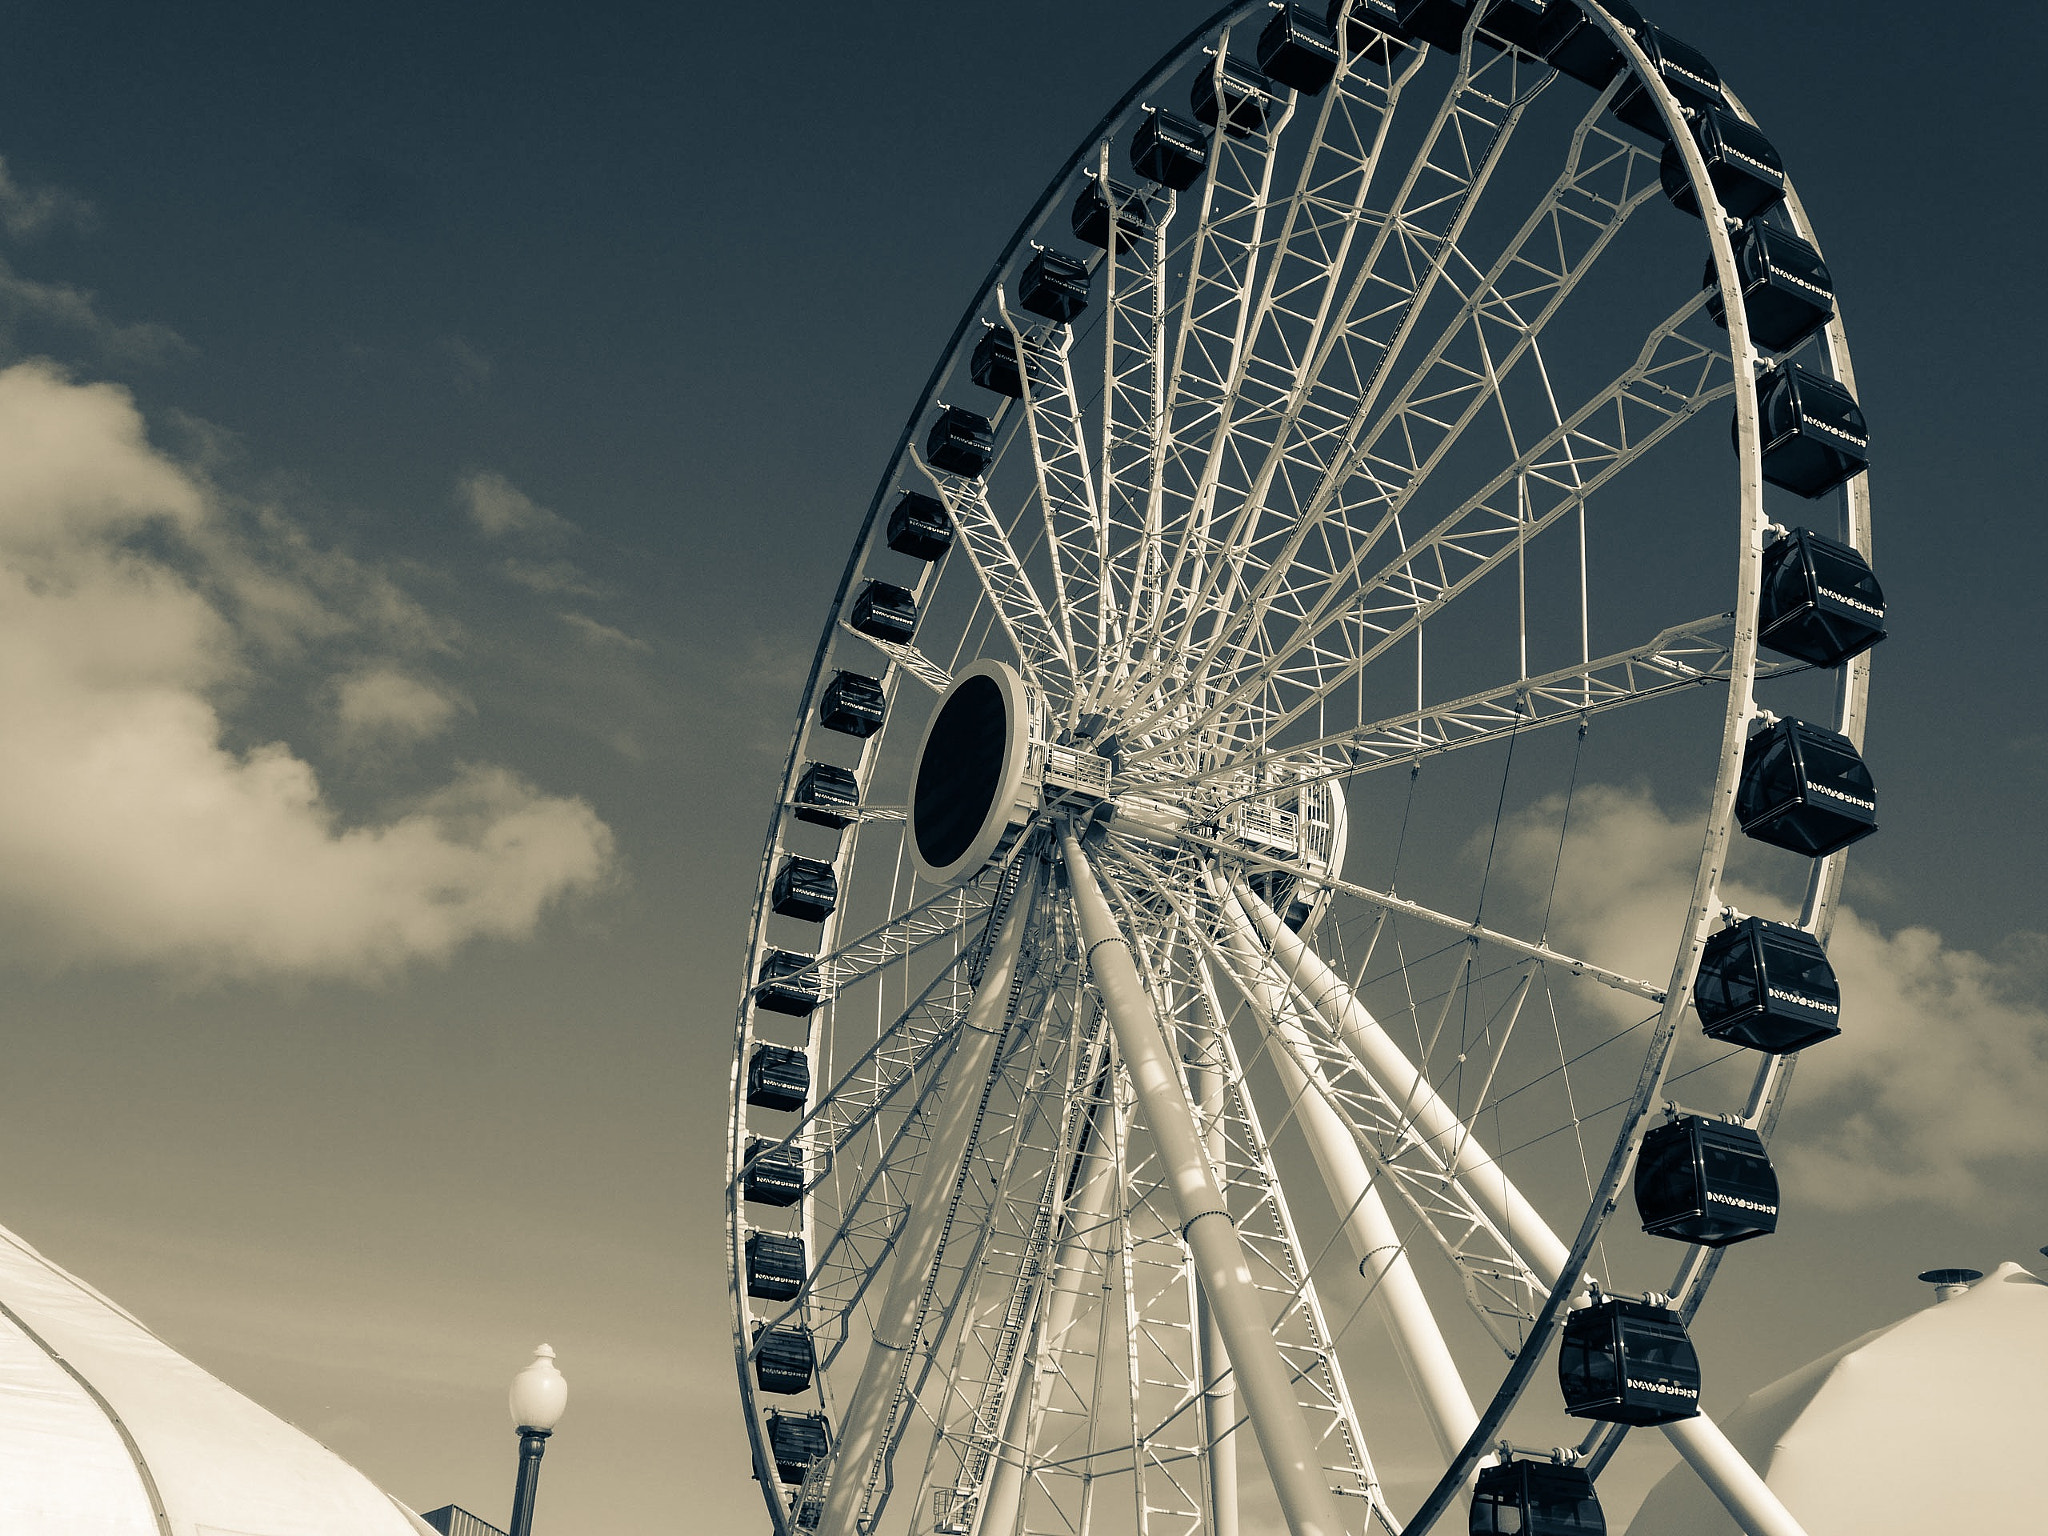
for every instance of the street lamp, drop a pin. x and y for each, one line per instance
(539, 1394)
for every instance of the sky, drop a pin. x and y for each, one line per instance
(432, 436)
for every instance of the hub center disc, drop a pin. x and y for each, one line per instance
(970, 795)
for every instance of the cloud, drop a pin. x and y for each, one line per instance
(74, 310)
(129, 831)
(26, 212)
(602, 635)
(500, 509)
(383, 705)
(1942, 1065)
(553, 578)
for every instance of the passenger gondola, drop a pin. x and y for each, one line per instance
(1299, 50)
(994, 364)
(826, 795)
(1572, 43)
(960, 443)
(1814, 435)
(775, 1266)
(1169, 150)
(1767, 987)
(1742, 167)
(774, 1173)
(805, 889)
(1054, 285)
(885, 611)
(1705, 1181)
(795, 1440)
(1245, 97)
(1821, 602)
(1091, 215)
(1688, 73)
(919, 527)
(1441, 23)
(1787, 291)
(852, 704)
(1628, 1362)
(1805, 788)
(784, 1359)
(1535, 1498)
(778, 1077)
(785, 985)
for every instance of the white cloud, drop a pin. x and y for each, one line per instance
(1942, 1065)
(602, 635)
(78, 312)
(128, 831)
(28, 211)
(500, 509)
(383, 704)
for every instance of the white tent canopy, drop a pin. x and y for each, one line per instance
(105, 1430)
(1934, 1423)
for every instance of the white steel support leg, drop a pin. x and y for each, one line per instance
(872, 1404)
(1306, 1502)
(1733, 1481)
(1219, 1397)
(1382, 1257)
(1388, 1065)
(1071, 1278)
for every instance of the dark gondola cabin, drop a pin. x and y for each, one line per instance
(805, 889)
(795, 1440)
(919, 527)
(885, 611)
(1054, 285)
(1091, 215)
(1787, 291)
(775, 1266)
(1441, 23)
(826, 795)
(960, 443)
(1374, 30)
(784, 1359)
(1683, 68)
(1821, 602)
(852, 704)
(1246, 96)
(774, 1173)
(1814, 434)
(1535, 1498)
(1767, 987)
(778, 1077)
(1805, 788)
(1169, 150)
(1742, 166)
(1627, 1362)
(1299, 50)
(784, 985)
(1707, 1182)
(1572, 43)
(995, 365)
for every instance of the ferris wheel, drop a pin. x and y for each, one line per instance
(1182, 1049)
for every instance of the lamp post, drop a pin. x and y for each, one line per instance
(539, 1394)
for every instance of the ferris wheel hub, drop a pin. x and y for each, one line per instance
(973, 789)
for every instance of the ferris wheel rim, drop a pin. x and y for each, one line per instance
(1819, 903)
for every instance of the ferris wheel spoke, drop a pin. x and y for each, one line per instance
(1300, 285)
(1693, 655)
(1074, 533)
(872, 1410)
(1674, 377)
(1335, 385)
(1465, 371)
(943, 916)
(1004, 581)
